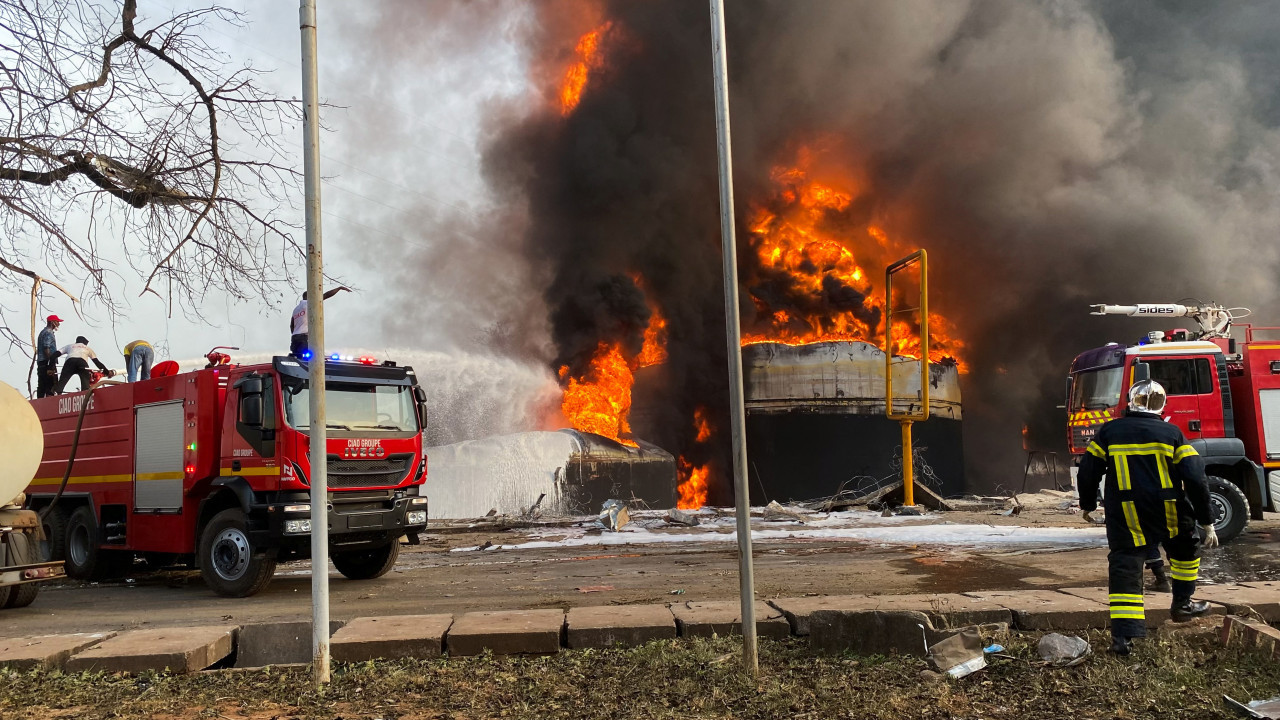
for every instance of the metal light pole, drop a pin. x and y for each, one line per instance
(315, 341)
(737, 422)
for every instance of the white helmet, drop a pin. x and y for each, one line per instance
(1146, 396)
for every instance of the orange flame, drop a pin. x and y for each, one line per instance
(693, 485)
(802, 236)
(654, 350)
(702, 425)
(589, 59)
(601, 401)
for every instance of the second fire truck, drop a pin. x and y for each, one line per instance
(1223, 393)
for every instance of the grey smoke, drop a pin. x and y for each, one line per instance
(1048, 154)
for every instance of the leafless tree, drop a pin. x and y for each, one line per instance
(143, 142)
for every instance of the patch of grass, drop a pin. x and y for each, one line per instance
(1167, 677)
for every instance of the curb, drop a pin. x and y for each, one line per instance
(855, 623)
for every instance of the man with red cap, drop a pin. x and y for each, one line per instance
(47, 358)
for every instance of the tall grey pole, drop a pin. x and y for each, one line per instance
(315, 341)
(737, 422)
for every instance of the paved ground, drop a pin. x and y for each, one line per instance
(431, 579)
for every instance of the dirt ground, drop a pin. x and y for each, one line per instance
(441, 576)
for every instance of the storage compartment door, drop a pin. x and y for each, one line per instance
(1269, 406)
(157, 457)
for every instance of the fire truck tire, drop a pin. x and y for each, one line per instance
(1230, 508)
(367, 564)
(55, 533)
(21, 550)
(85, 560)
(229, 563)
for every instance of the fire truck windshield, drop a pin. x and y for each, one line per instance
(354, 407)
(1097, 389)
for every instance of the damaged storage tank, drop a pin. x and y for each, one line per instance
(576, 471)
(816, 419)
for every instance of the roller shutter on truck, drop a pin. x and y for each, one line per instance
(1269, 406)
(158, 455)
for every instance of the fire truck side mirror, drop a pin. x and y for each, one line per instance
(420, 396)
(1141, 371)
(251, 409)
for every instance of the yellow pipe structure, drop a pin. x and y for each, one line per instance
(908, 417)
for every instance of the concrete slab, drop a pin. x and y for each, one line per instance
(629, 625)
(1156, 605)
(47, 652)
(886, 632)
(1247, 633)
(178, 650)
(1262, 597)
(280, 643)
(1047, 609)
(943, 609)
(507, 632)
(391, 638)
(704, 619)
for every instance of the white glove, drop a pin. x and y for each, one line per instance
(1210, 536)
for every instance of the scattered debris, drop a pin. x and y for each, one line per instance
(1262, 709)
(533, 511)
(487, 544)
(677, 591)
(959, 655)
(773, 512)
(680, 517)
(614, 514)
(493, 512)
(915, 510)
(1063, 650)
(594, 588)
(886, 511)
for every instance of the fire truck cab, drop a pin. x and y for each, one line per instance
(1226, 401)
(211, 468)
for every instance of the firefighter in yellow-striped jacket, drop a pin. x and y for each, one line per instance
(1156, 492)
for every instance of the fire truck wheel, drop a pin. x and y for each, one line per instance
(21, 550)
(85, 560)
(366, 564)
(1229, 507)
(55, 533)
(229, 563)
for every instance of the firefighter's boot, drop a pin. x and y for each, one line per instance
(1161, 583)
(1121, 645)
(1188, 610)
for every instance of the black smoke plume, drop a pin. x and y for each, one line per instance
(1048, 154)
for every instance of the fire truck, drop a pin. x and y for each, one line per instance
(210, 468)
(1223, 393)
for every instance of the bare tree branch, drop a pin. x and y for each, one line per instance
(139, 128)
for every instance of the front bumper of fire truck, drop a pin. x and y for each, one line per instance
(362, 518)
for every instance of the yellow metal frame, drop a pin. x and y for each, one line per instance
(920, 256)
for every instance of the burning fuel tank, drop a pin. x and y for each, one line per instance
(816, 419)
(574, 472)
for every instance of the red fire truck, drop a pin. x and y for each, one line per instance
(1223, 394)
(210, 467)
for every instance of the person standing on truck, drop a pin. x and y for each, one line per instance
(1156, 492)
(137, 360)
(76, 364)
(47, 357)
(298, 322)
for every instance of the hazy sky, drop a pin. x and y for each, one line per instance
(399, 152)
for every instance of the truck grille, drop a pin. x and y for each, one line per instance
(385, 472)
(1082, 434)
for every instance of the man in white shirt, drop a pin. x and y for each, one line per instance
(298, 322)
(76, 364)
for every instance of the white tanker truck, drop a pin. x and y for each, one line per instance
(22, 559)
